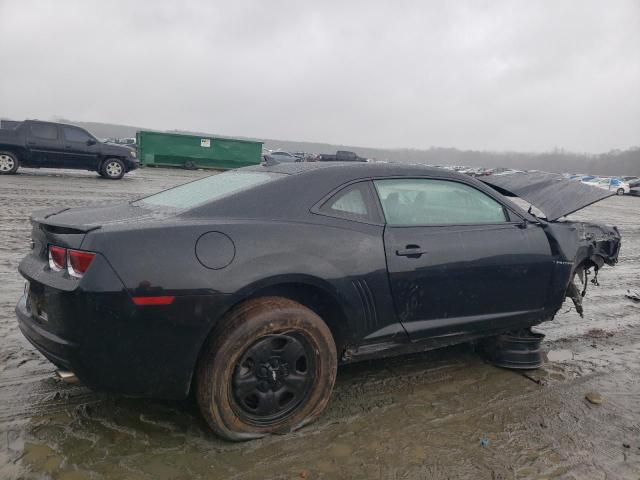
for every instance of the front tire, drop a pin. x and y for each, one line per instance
(8, 163)
(269, 367)
(620, 191)
(113, 169)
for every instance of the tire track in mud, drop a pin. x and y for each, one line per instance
(421, 416)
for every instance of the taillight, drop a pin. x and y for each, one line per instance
(79, 262)
(76, 261)
(57, 257)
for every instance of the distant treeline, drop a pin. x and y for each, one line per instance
(615, 162)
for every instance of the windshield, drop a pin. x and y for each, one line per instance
(207, 189)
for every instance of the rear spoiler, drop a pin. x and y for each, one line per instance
(46, 220)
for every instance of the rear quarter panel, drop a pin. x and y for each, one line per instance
(331, 254)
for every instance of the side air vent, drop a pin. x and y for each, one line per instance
(369, 312)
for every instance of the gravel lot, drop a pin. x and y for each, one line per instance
(443, 414)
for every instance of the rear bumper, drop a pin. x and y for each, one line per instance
(118, 347)
(57, 350)
(96, 331)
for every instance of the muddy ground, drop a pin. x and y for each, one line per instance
(444, 414)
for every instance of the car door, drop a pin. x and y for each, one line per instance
(81, 149)
(45, 144)
(458, 260)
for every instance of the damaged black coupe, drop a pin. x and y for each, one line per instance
(251, 286)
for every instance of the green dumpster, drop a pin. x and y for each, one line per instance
(191, 151)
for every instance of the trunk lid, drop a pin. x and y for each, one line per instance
(67, 227)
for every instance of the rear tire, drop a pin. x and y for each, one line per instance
(269, 367)
(112, 168)
(620, 191)
(8, 163)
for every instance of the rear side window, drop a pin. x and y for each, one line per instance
(436, 202)
(207, 189)
(75, 135)
(42, 130)
(353, 203)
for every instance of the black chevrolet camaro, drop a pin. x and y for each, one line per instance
(251, 286)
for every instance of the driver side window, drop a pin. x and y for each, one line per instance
(422, 202)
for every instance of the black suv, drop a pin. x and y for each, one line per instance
(39, 144)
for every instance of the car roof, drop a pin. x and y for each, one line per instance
(355, 170)
(303, 184)
(57, 124)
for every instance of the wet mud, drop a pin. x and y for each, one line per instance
(442, 414)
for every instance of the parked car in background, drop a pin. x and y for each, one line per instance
(37, 144)
(127, 142)
(227, 287)
(341, 156)
(284, 157)
(634, 183)
(621, 187)
(612, 184)
(631, 179)
(589, 178)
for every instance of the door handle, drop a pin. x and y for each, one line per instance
(412, 251)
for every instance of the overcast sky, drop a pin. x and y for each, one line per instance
(499, 75)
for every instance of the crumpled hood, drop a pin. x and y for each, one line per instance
(551, 193)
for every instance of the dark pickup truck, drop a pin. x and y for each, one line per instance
(341, 156)
(39, 144)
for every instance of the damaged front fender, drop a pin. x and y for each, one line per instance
(579, 247)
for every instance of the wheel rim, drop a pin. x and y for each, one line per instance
(272, 378)
(6, 163)
(113, 169)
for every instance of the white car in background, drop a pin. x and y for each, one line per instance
(282, 156)
(612, 184)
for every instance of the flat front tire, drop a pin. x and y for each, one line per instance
(112, 168)
(8, 163)
(269, 367)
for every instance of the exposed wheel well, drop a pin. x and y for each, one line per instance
(316, 299)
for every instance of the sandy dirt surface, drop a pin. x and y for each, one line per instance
(442, 414)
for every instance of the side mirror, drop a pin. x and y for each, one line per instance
(90, 142)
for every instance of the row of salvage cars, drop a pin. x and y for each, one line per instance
(227, 288)
(623, 185)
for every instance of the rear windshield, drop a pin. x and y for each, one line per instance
(207, 189)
